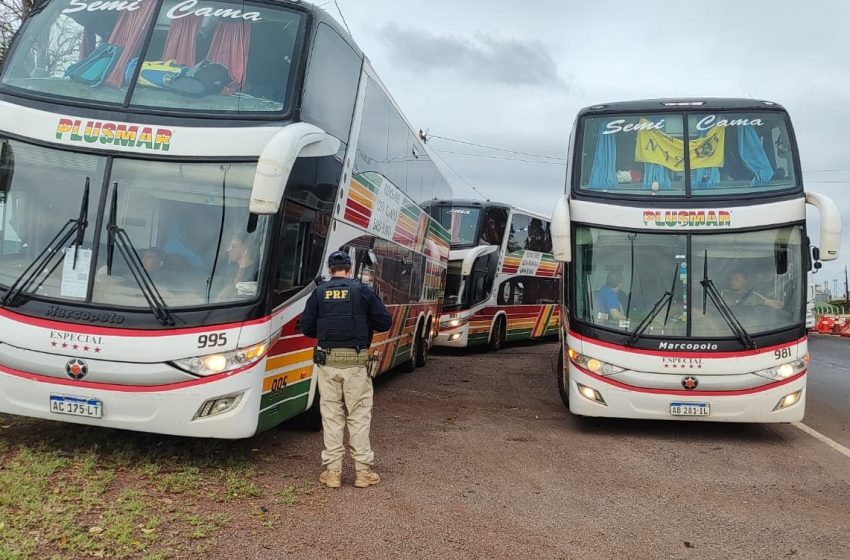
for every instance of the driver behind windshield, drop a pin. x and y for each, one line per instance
(739, 293)
(609, 298)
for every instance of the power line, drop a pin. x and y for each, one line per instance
(462, 178)
(345, 23)
(496, 148)
(502, 158)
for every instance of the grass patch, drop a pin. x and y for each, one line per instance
(70, 491)
(287, 497)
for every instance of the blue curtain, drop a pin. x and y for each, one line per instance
(753, 154)
(654, 172)
(705, 178)
(603, 174)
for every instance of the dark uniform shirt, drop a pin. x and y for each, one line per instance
(338, 321)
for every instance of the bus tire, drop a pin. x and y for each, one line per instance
(311, 419)
(497, 337)
(422, 353)
(562, 388)
(410, 365)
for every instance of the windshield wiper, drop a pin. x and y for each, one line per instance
(710, 290)
(74, 228)
(666, 298)
(117, 236)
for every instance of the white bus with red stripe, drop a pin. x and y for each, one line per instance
(163, 222)
(684, 226)
(502, 281)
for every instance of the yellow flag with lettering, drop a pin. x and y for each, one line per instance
(653, 146)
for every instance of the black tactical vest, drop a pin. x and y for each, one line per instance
(342, 321)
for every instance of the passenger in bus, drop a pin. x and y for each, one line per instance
(243, 270)
(609, 298)
(153, 260)
(739, 293)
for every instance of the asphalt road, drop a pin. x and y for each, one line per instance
(828, 400)
(480, 459)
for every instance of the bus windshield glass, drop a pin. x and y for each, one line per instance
(461, 222)
(454, 284)
(186, 222)
(723, 153)
(623, 277)
(198, 55)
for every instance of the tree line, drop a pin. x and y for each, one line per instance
(12, 12)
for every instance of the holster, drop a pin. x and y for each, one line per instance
(320, 357)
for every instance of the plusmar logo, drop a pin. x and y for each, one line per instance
(687, 218)
(116, 134)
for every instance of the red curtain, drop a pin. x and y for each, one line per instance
(230, 48)
(129, 32)
(180, 43)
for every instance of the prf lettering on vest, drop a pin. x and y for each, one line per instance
(336, 294)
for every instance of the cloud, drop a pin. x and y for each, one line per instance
(486, 58)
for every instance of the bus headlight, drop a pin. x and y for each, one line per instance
(218, 405)
(789, 400)
(213, 364)
(453, 323)
(593, 365)
(784, 371)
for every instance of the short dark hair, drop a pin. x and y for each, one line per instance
(340, 268)
(614, 278)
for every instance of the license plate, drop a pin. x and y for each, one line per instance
(76, 406)
(689, 409)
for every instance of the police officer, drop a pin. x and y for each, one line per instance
(343, 313)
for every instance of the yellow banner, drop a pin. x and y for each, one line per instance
(653, 146)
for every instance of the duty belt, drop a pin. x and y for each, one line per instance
(342, 357)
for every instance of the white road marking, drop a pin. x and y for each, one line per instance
(822, 438)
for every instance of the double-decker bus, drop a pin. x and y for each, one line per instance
(502, 282)
(173, 176)
(685, 226)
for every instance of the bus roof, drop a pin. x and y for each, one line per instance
(679, 104)
(467, 202)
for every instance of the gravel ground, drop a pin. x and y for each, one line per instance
(479, 459)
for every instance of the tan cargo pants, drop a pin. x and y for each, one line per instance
(347, 388)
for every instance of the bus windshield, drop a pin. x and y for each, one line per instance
(454, 284)
(186, 222)
(726, 153)
(622, 276)
(200, 55)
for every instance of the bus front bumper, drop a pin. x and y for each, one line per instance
(170, 411)
(754, 406)
(457, 337)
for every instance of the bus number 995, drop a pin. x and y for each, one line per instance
(212, 340)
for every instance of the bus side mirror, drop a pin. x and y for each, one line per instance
(278, 158)
(816, 253)
(818, 265)
(830, 225)
(561, 241)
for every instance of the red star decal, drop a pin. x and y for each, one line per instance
(53, 344)
(690, 383)
(64, 345)
(699, 366)
(86, 349)
(666, 365)
(75, 347)
(96, 350)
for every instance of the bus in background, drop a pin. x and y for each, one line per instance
(170, 188)
(684, 224)
(502, 282)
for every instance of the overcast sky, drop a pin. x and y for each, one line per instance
(514, 75)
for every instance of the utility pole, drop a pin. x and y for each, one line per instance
(846, 288)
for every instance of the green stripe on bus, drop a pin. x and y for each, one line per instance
(518, 334)
(284, 393)
(282, 412)
(412, 211)
(367, 182)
